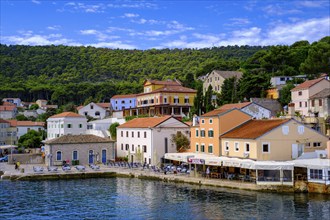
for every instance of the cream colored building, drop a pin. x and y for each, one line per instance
(217, 77)
(276, 139)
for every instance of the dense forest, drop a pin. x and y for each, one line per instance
(63, 74)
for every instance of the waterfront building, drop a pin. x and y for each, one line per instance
(95, 110)
(146, 140)
(24, 127)
(164, 98)
(119, 103)
(4, 125)
(66, 123)
(79, 149)
(207, 128)
(101, 127)
(216, 79)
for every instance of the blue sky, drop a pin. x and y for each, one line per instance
(162, 24)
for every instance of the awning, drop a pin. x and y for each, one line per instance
(7, 147)
(315, 163)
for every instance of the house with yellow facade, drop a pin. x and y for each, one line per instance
(164, 98)
(206, 129)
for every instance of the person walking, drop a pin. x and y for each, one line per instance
(208, 172)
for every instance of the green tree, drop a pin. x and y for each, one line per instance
(181, 141)
(285, 94)
(113, 130)
(229, 91)
(32, 139)
(253, 85)
(198, 101)
(34, 107)
(21, 118)
(208, 99)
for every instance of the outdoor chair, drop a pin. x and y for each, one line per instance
(38, 169)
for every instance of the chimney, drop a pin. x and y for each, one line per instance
(291, 110)
(328, 149)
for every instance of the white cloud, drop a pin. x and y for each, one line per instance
(36, 2)
(238, 22)
(91, 8)
(115, 45)
(134, 5)
(99, 35)
(54, 27)
(313, 4)
(130, 15)
(278, 10)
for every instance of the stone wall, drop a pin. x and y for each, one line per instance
(25, 158)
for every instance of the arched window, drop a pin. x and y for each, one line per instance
(97, 113)
(59, 155)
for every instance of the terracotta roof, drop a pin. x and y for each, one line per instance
(215, 112)
(30, 123)
(8, 104)
(171, 89)
(144, 122)
(325, 93)
(78, 139)
(235, 105)
(3, 121)
(13, 123)
(165, 82)
(254, 128)
(104, 105)
(79, 107)
(307, 84)
(123, 96)
(7, 107)
(67, 114)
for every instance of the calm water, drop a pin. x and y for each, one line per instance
(124, 198)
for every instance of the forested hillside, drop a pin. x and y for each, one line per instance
(65, 74)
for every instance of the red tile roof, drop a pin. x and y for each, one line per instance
(7, 107)
(13, 123)
(30, 123)
(3, 121)
(171, 89)
(307, 84)
(215, 112)
(144, 122)
(235, 105)
(78, 139)
(67, 114)
(165, 82)
(254, 128)
(8, 104)
(123, 96)
(104, 104)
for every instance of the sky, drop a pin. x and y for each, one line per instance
(162, 24)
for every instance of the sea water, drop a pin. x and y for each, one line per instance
(131, 198)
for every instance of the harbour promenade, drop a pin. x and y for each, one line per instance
(8, 172)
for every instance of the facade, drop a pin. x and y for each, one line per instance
(79, 149)
(43, 104)
(146, 140)
(8, 111)
(320, 103)
(273, 105)
(255, 110)
(206, 130)
(101, 127)
(16, 101)
(217, 77)
(95, 110)
(66, 123)
(279, 80)
(302, 93)
(24, 127)
(267, 140)
(122, 102)
(4, 125)
(164, 98)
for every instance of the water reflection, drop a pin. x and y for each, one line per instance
(124, 198)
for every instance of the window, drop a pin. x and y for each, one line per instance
(186, 100)
(74, 155)
(62, 125)
(126, 147)
(121, 133)
(145, 134)
(132, 147)
(210, 133)
(210, 149)
(80, 125)
(92, 107)
(126, 133)
(123, 102)
(202, 133)
(69, 125)
(316, 174)
(247, 147)
(236, 146)
(320, 102)
(285, 130)
(138, 134)
(165, 100)
(301, 129)
(202, 148)
(203, 121)
(265, 148)
(132, 134)
(226, 146)
(305, 104)
(317, 144)
(122, 146)
(300, 93)
(211, 121)
(97, 113)
(300, 104)
(59, 156)
(328, 174)
(196, 132)
(144, 148)
(166, 145)
(197, 147)
(176, 100)
(313, 103)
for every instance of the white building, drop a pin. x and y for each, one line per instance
(66, 123)
(24, 127)
(148, 139)
(101, 127)
(15, 101)
(95, 110)
(255, 110)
